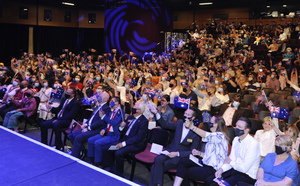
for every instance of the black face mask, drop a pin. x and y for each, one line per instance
(186, 118)
(209, 93)
(133, 110)
(28, 95)
(210, 125)
(279, 150)
(171, 85)
(239, 132)
(67, 96)
(184, 89)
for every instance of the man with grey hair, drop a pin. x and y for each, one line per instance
(132, 140)
(91, 127)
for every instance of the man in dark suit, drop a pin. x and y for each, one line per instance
(110, 133)
(132, 139)
(67, 110)
(182, 145)
(231, 112)
(91, 127)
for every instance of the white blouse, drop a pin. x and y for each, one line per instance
(216, 149)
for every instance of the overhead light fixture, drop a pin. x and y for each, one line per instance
(66, 3)
(284, 5)
(268, 6)
(208, 3)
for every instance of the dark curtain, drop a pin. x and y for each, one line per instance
(13, 41)
(54, 39)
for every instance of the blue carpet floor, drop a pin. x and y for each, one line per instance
(24, 161)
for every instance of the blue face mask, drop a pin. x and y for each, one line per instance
(220, 90)
(98, 78)
(147, 83)
(272, 76)
(239, 132)
(112, 104)
(226, 79)
(126, 86)
(236, 104)
(109, 78)
(145, 97)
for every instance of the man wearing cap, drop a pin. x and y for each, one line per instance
(27, 107)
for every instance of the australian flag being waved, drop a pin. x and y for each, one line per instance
(296, 94)
(181, 102)
(57, 93)
(279, 112)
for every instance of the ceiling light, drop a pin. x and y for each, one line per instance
(208, 3)
(268, 6)
(284, 5)
(66, 3)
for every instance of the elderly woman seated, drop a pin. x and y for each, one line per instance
(26, 107)
(279, 168)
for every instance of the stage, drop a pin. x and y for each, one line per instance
(24, 161)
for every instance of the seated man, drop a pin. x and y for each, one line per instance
(91, 127)
(67, 110)
(185, 140)
(112, 120)
(243, 161)
(231, 112)
(132, 139)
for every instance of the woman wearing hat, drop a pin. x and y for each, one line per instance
(26, 107)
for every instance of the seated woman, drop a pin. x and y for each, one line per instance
(44, 95)
(26, 107)
(216, 150)
(293, 132)
(266, 138)
(55, 97)
(165, 110)
(279, 168)
(222, 93)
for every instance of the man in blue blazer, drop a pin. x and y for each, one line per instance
(110, 133)
(182, 145)
(132, 139)
(91, 127)
(67, 110)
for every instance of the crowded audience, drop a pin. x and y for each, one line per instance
(197, 89)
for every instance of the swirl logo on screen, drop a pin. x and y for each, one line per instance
(135, 25)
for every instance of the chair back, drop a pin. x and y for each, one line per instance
(248, 112)
(296, 111)
(268, 91)
(287, 103)
(159, 136)
(231, 134)
(256, 125)
(249, 98)
(263, 114)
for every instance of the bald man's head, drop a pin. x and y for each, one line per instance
(105, 96)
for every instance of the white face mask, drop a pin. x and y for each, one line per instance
(77, 79)
(98, 90)
(145, 97)
(36, 84)
(15, 83)
(45, 84)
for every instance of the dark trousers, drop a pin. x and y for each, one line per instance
(7, 108)
(78, 138)
(188, 170)
(232, 177)
(57, 126)
(161, 165)
(109, 156)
